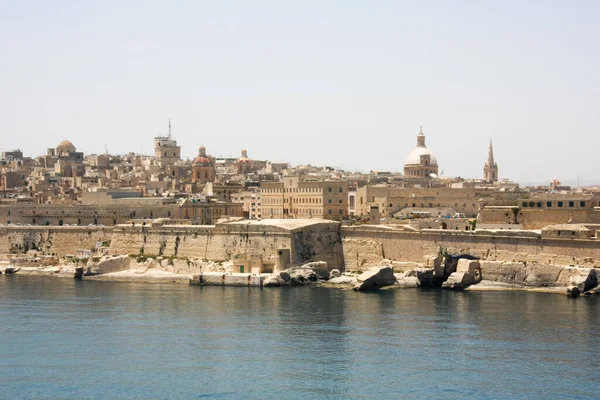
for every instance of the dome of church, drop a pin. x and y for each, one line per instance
(65, 145)
(414, 157)
(202, 160)
(244, 158)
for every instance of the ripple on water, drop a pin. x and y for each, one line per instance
(72, 340)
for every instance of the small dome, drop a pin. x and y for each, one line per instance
(202, 160)
(65, 145)
(244, 158)
(414, 157)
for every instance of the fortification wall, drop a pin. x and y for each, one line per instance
(538, 218)
(60, 241)
(346, 248)
(319, 242)
(361, 246)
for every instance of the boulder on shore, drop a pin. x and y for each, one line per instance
(274, 281)
(458, 281)
(343, 280)
(573, 292)
(334, 273)
(584, 278)
(107, 265)
(301, 275)
(376, 278)
(11, 270)
(467, 273)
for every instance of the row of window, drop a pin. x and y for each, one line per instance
(330, 189)
(550, 204)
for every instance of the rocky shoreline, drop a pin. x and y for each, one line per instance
(452, 273)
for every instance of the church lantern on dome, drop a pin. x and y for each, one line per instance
(421, 162)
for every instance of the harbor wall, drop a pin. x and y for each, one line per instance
(350, 248)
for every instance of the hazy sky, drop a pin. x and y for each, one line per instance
(342, 83)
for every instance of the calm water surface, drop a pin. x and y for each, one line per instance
(67, 339)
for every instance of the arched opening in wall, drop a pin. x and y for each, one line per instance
(444, 225)
(95, 221)
(114, 221)
(60, 222)
(78, 221)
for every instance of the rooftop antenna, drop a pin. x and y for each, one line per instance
(169, 128)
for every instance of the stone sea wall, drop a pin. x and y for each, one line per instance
(316, 242)
(60, 240)
(367, 245)
(350, 248)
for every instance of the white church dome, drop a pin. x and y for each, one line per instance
(414, 157)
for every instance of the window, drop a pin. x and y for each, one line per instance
(548, 204)
(341, 212)
(330, 189)
(341, 202)
(341, 190)
(560, 203)
(571, 204)
(329, 211)
(329, 201)
(582, 204)
(524, 204)
(539, 204)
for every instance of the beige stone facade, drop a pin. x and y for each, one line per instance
(392, 200)
(298, 197)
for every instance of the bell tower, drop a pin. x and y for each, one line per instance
(490, 170)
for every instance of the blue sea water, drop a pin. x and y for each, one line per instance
(68, 339)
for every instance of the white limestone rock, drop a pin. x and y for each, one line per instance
(376, 278)
(107, 265)
(458, 281)
(583, 278)
(334, 273)
(505, 272)
(343, 280)
(301, 276)
(275, 280)
(542, 274)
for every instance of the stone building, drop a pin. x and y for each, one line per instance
(166, 150)
(298, 197)
(539, 210)
(12, 155)
(243, 164)
(420, 164)
(196, 211)
(390, 200)
(65, 152)
(203, 167)
(490, 170)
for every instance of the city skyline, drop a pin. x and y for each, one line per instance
(340, 84)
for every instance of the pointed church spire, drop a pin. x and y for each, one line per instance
(490, 169)
(169, 128)
(491, 155)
